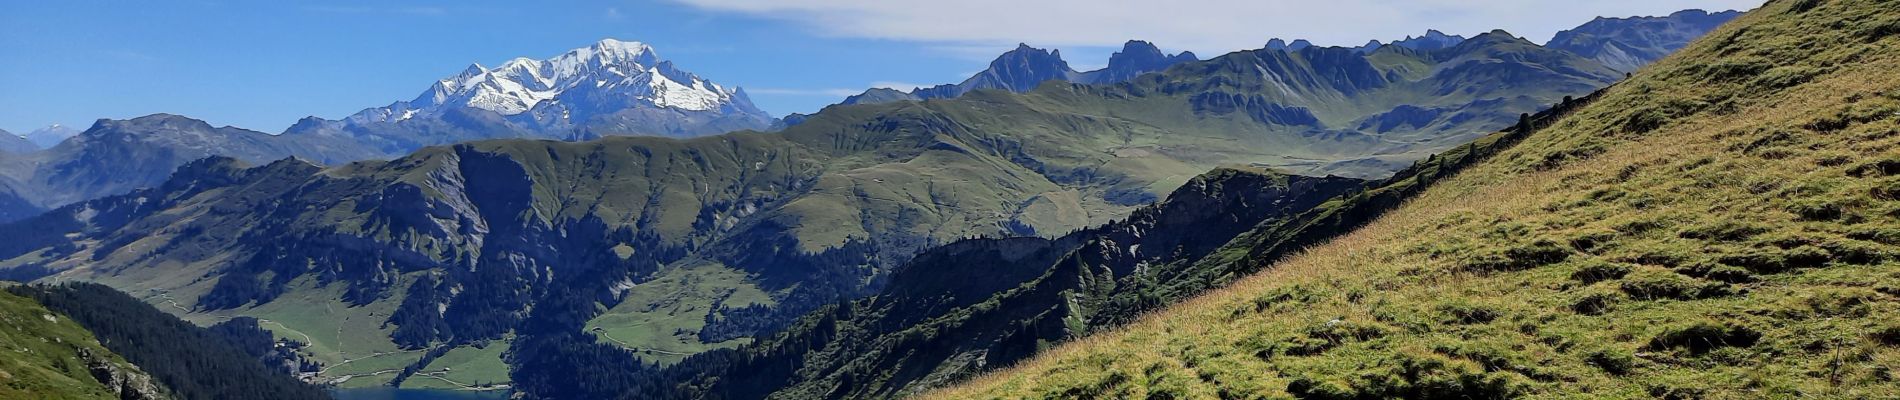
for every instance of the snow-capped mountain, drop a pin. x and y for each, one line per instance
(611, 88)
(50, 136)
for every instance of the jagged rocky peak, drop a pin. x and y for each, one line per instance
(1431, 40)
(1025, 67)
(1022, 69)
(1136, 57)
(1282, 45)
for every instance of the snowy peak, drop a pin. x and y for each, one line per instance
(612, 87)
(629, 69)
(597, 88)
(50, 136)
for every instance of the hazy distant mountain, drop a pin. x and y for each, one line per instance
(117, 156)
(1628, 44)
(15, 144)
(51, 135)
(1026, 67)
(1432, 40)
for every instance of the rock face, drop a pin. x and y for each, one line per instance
(126, 381)
(1628, 44)
(50, 356)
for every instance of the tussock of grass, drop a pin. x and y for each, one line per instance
(1721, 226)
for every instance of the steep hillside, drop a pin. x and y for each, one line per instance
(1722, 226)
(190, 362)
(50, 357)
(958, 308)
(467, 245)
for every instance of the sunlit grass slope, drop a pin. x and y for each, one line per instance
(1724, 225)
(45, 355)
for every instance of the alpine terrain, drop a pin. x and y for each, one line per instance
(1721, 226)
(602, 224)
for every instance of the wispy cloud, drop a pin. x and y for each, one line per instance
(613, 14)
(831, 92)
(1201, 25)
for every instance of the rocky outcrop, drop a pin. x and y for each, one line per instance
(127, 381)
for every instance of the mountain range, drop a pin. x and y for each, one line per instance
(613, 88)
(1026, 67)
(539, 257)
(610, 88)
(1628, 44)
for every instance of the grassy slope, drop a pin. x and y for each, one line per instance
(1724, 225)
(41, 358)
(660, 319)
(463, 368)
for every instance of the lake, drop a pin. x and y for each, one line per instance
(385, 393)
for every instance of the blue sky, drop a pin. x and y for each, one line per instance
(263, 64)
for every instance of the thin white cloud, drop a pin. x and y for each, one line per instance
(1210, 26)
(833, 92)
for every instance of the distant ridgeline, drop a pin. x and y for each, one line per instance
(560, 265)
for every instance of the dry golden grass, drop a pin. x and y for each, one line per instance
(1722, 226)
